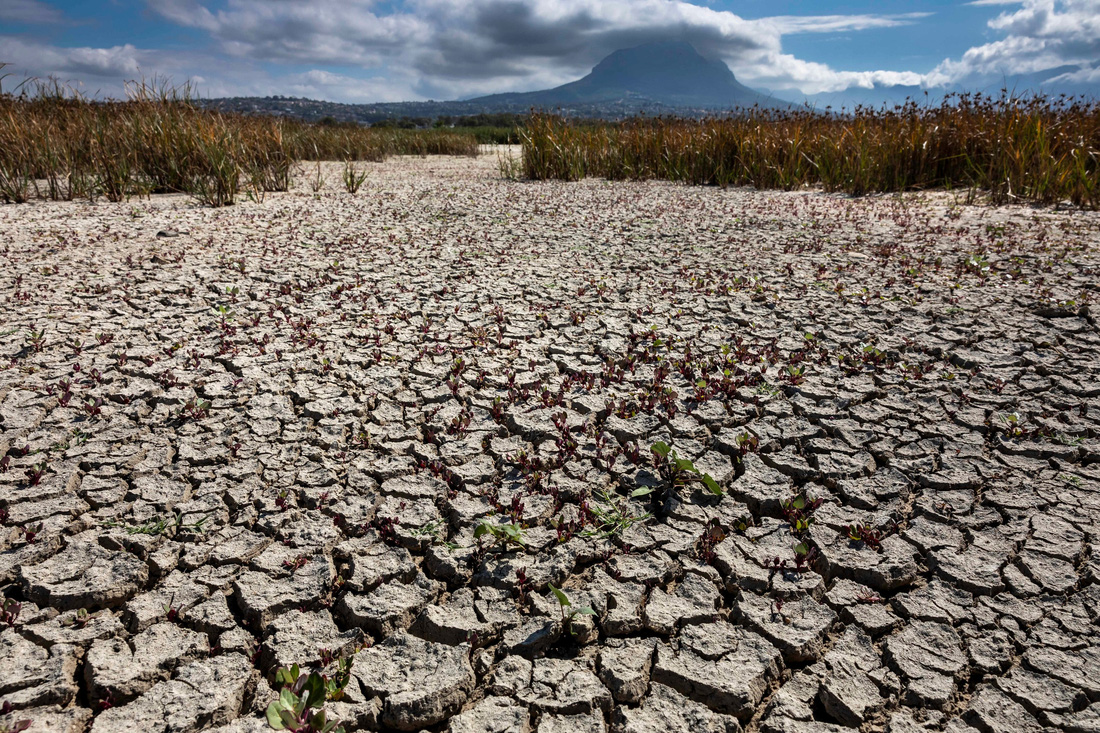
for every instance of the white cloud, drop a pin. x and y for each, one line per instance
(791, 24)
(1041, 35)
(91, 65)
(786, 72)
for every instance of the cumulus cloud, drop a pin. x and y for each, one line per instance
(1040, 35)
(30, 58)
(463, 47)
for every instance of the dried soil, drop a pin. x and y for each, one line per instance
(261, 435)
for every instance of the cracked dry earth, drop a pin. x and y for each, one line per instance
(270, 440)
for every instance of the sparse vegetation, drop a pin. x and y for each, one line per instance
(56, 145)
(1033, 149)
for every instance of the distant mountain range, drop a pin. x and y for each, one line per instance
(654, 78)
(665, 77)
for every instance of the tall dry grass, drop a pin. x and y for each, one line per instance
(57, 145)
(1037, 149)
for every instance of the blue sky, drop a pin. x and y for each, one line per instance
(372, 50)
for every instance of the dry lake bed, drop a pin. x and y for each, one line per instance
(794, 461)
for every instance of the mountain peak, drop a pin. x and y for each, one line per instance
(668, 72)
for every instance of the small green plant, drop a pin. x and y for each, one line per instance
(799, 513)
(862, 533)
(612, 516)
(301, 694)
(978, 265)
(195, 408)
(160, 525)
(676, 472)
(567, 616)
(436, 531)
(35, 340)
(79, 619)
(353, 178)
(804, 556)
(509, 166)
(502, 534)
(318, 181)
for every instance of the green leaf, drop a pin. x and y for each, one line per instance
(799, 503)
(562, 598)
(586, 611)
(641, 492)
(289, 718)
(315, 691)
(287, 699)
(482, 529)
(712, 485)
(273, 716)
(661, 448)
(801, 548)
(287, 676)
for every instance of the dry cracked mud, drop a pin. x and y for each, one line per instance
(245, 438)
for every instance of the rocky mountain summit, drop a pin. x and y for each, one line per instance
(667, 73)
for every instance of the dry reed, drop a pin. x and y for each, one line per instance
(1037, 149)
(57, 145)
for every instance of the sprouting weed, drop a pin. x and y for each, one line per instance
(301, 694)
(503, 534)
(863, 533)
(676, 472)
(436, 531)
(196, 409)
(798, 512)
(386, 527)
(35, 340)
(804, 556)
(160, 525)
(298, 562)
(35, 473)
(78, 620)
(31, 532)
(705, 545)
(612, 516)
(567, 616)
